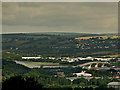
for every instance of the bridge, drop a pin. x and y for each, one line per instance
(90, 64)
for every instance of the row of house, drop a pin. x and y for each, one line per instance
(68, 59)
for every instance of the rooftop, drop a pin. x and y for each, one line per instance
(114, 83)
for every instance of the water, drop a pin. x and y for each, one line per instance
(22, 63)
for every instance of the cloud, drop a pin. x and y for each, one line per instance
(73, 17)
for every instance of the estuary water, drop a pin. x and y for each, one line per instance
(35, 66)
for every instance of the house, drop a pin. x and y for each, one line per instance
(82, 74)
(113, 85)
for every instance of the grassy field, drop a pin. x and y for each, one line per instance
(104, 37)
(27, 63)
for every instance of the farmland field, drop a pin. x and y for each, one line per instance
(104, 37)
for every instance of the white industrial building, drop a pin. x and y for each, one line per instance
(114, 85)
(87, 58)
(31, 57)
(82, 74)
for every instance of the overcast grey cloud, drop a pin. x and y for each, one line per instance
(78, 17)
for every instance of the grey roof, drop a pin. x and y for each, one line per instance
(114, 83)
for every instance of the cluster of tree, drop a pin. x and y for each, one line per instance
(75, 63)
(20, 83)
(29, 83)
(103, 73)
(94, 82)
(68, 72)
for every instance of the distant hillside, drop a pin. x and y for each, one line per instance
(59, 44)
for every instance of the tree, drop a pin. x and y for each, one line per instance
(20, 83)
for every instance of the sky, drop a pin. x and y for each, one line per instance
(78, 17)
